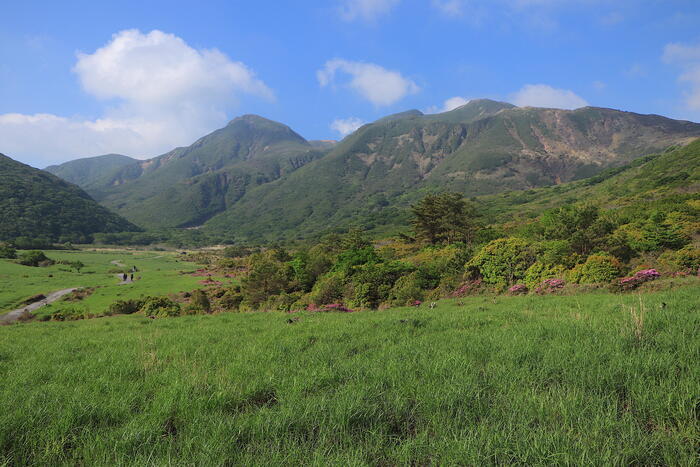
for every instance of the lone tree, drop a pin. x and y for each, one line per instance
(444, 218)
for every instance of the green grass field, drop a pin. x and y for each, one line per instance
(159, 273)
(506, 380)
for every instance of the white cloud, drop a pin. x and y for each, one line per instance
(599, 85)
(542, 95)
(612, 18)
(681, 53)
(159, 92)
(449, 7)
(688, 58)
(345, 126)
(449, 104)
(377, 84)
(365, 10)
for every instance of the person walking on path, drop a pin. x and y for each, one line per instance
(132, 277)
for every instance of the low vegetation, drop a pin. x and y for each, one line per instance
(588, 379)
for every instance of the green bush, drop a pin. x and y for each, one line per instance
(125, 307)
(34, 258)
(540, 271)
(685, 259)
(328, 289)
(371, 283)
(503, 261)
(160, 307)
(598, 268)
(7, 251)
(231, 300)
(406, 290)
(267, 277)
(199, 302)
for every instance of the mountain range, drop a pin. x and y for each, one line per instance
(259, 180)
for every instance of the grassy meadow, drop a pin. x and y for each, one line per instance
(589, 379)
(158, 273)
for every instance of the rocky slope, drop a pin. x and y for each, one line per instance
(481, 148)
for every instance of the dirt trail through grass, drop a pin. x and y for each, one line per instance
(15, 315)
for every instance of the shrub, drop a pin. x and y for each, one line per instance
(7, 251)
(71, 314)
(406, 290)
(125, 307)
(199, 302)
(640, 277)
(685, 259)
(539, 271)
(555, 252)
(468, 288)
(503, 261)
(598, 268)
(267, 277)
(77, 265)
(328, 289)
(34, 258)
(371, 284)
(550, 286)
(518, 289)
(160, 307)
(231, 300)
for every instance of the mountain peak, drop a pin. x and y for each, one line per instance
(473, 110)
(413, 113)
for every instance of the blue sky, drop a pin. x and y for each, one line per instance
(82, 78)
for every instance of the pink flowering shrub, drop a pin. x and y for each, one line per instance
(416, 303)
(210, 282)
(468, 288)
(201, 273)
(518, 289)
(640, 277)
(550, 286)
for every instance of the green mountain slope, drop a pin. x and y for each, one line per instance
(187, 186)
(84, 172)
(484, 147)
(647, 181)
(34, 204)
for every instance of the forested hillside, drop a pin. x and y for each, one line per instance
(83, 172)
(38, 205)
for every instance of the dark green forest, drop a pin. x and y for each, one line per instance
(40, 207)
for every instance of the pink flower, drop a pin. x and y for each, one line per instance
(549, 286)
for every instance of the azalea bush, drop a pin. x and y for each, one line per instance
(518, 289)
(550, 286)
(640, 277)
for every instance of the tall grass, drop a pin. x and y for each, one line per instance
(524, 380)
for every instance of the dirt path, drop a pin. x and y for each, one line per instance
(122, 282)
(14, 315)
(118, 263)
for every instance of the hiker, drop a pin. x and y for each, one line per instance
(132, 277)
(133, 269)
(123, 277)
